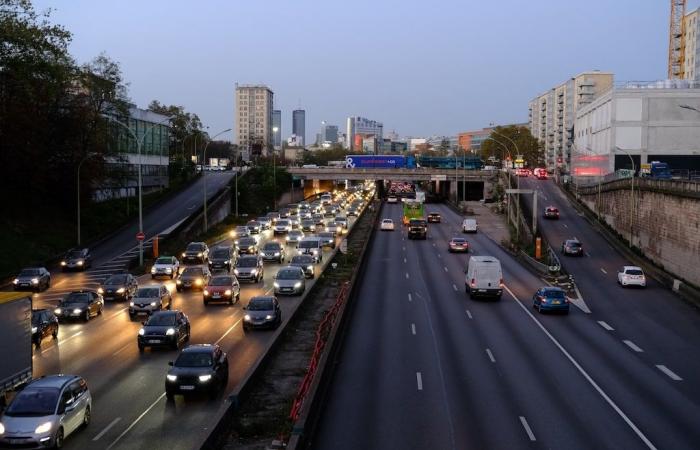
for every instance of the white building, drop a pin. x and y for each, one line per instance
(414, 142)
(253, 118)
(658, 121)
(295, 141)
(364, 128)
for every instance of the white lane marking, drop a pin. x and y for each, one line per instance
(565, 225)
(116, 313)
(434, 245)
(269, 290)
(454, 286)
(529, 432)
(413, 328)
(605, 325)
(191, 207)
(633, 346)
(419, 380)
(98, 272)
(410, 299)
(469, 314)
(407, 275)
(669, 372)
(228, 331)
(604, 271)
(121, 349)
(106, 429)
(588, 378)
(404, 248)
(488, 352)
(62, 341)
(445, 268)
(404, 260)
(133, 424)
(439, 256)
(588, 254)
(578, 301)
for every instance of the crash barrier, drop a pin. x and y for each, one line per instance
(322, 333)
(551, 266)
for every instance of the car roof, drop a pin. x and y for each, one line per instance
(200, 348)
(165, 313)
(54, 381)
(632, 268)
(552, 289)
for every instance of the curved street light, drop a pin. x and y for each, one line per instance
(204, 163)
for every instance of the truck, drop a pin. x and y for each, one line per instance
(15, 341)
(656, 169)
(380, 162)
(412, 209)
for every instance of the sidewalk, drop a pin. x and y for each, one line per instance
(490, 223)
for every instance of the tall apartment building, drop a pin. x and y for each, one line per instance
(553, 113)
(253, 118)
(364, 128)
(277, 123)
(299, 125)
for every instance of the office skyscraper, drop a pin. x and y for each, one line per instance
(299, 124)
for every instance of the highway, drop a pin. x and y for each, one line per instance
(423, 366)
(129, 406)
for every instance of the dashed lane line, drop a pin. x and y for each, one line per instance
(133, 424)
(633, 346)
(488, 352)
(106, 429)
(469, 314)
(413, 328)
(669, 372)
(528, 430)
(419, 381)
(605, 325)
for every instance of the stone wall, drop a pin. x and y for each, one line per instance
(664, 226)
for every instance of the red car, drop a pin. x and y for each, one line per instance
(522, 172)
(222, 288)
(458, 244)
(551, 212)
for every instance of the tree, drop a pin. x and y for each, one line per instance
(517, 141)
(322, 157)
(444, 147)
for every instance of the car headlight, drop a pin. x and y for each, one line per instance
(169, 270)
(57, 311)
(131, 303)
(246, 317)
(184, 254)
(276, 284)
(254, 272)
(297, 285)
(80, 263)
(198, 282)
(315, 251)
(227, 292)
(15, 281)
(277, 253)
(43, 428)
(63, 263)
(153, 270)
(142, 332)
(199, 254)
(2, 428)
(100, 291)
(178, 282)
(77, 311)
(34, 330)
(171, 377)
(235, 271)
(204, 378)
(170, 332)
(153, 303)
(268, 317)
(119, 291)
(287, 238)
(205, 292)
(35, 281)
(310, 267)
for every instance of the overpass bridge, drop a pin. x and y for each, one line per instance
(457, 183)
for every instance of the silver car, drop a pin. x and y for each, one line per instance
(45, 412)
(294, 236)
(148, 299)
(290, 280)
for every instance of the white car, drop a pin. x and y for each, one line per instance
(387, 225)
(631, 276)
(165, 266)
(469, 226)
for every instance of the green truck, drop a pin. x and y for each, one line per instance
(412, 209)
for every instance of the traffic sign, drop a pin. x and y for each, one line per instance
(140, 236)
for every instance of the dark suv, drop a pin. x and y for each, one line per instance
(273, 251)
(196, 252)
(572, 247)
(44, 324)
(417, 228)
(221, 258)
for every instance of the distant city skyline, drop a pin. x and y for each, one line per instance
(421, 84)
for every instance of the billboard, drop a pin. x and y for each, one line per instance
(375, 161)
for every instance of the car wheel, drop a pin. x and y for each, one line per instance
(141, 348)
(58, 440)
(178, 289)
(170, 304)
(131, 316)
(176, 344)
(37, 342)
(205, 301)
(238, 297)
(55, 333)
(245, 328)
(169, 394)
(86, 417)
(86, 317)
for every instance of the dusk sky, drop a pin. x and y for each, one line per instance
(422, 68)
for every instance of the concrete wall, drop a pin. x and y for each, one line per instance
(666, 227)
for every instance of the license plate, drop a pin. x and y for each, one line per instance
(286, 289)
(216, 296)
(187, 387)
(556, 302)
(188, 284)
(24, 284)
(482, 290)
(153, 341)
(143, 313)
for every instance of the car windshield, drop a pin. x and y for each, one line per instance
(75, 254)
(39, 401)
(288, 274)
(574, 244)
(193, 272)
(253, 224)
(161, 320)
(116, 279)
(194, 248)
(260, 304)
(247, 262)
(148, 292)
(458, 241)
(417, 223)
(282, 223)
(634, 272)
(434, 214)
(554, 294)
(37, 317)
(388, 221)
(308, 244)
(77, 297)
(247, 241)
(295, 233)
(29, 272)
(193, 359)
(221, 281)
(164, 261)
(302, 259)
(272, 246)
(222, 253)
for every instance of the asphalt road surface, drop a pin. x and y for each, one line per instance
(423, 366)
(129, 406)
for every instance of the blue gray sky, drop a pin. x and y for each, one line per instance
(422, 68)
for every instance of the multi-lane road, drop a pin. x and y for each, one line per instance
(129, 405)
(423, 366)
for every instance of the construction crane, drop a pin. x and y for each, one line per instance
(676, 42)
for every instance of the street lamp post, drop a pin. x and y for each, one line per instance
(139, 145)
(204, 175)
(631, 191)
(505, 150)
(90, 154)
(517, 151)
(275, 130)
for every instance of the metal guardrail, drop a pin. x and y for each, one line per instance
(680, 187)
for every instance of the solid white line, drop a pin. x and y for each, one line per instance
(121, 349)
(419, 379)
(604, 271)
(228, 331)
(407, 275)
(469, 314)
(669, 372)
(269, 290)
(445, 268)
(62, 341)
(404, 248)
(588, 254)
(633, 346)
(605, 325)
(488, 352)
(454, 286)
(413, 328)
(133, 424)
(529, 432)
(588, 378)
(410, 299)
(116, 313)
(102, 433)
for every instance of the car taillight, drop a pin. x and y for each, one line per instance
(501, 283)
(543, 299)
(473, 282)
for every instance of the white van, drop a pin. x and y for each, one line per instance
(469, 226)
(311, 245)
(484, 277)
